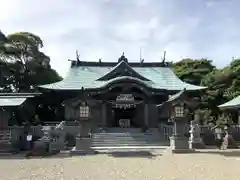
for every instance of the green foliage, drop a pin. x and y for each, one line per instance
(192, 71)
(223, 84)
(22, 65)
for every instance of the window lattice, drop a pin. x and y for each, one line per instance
(179, 111)
(84, 111)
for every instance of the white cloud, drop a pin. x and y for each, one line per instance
(106, 28)
(135, 31)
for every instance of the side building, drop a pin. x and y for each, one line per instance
(113, 94)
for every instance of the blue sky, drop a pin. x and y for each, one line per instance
(105, 28)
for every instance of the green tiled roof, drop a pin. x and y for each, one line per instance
(87, 77)
(173, 97)
(234, 103)
(176, 96)
(11, 101)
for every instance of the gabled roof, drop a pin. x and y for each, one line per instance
(122, 69)
(232, 104)
(95, 75)
(174, 97)
(15, 99)
(181, 96)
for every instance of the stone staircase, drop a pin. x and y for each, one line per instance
(130, 137)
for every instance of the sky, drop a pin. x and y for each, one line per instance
(106, 28)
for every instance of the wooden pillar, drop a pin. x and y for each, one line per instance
(104, 114)
(238, 117)
(146, 115)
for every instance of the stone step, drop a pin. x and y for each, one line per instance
(125, 142)
(124, 139)
(121, 139)
(129, 144)
(126, 136)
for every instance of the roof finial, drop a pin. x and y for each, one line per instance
(77, 56)
(140, 54)
(141, 59)
(164, 57)
(122, 58)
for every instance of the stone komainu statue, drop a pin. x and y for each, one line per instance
(60, 126)
(228, 141)
(53, 139)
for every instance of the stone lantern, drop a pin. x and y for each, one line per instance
(178, 140)
(178, 107)
(83, 138)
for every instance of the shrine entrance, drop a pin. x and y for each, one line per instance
(125, 110)
(124, 117)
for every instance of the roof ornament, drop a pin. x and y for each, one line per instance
(77, 56)
(164, 57)
(164, 63)
(141, 59)
(122, 58)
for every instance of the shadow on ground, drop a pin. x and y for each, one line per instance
(24, 156)
(132, 154)
(227, 153)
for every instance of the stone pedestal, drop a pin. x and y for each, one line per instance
(83, 140)
(195, 140)
(196, 144)
(178, 142)
(83, 146)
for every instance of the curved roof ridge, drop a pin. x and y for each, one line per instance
(112, 72)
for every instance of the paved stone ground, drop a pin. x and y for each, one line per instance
(139, 165)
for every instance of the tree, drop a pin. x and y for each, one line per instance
(22, 64)
(192, 71)
(223, 84)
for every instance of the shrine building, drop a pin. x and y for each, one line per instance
(121, 93)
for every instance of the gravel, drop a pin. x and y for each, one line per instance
(138, 165)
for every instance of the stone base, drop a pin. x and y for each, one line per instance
(77, 152)
(83, 147)
(196, 145)
(179, 151)
(179, 142)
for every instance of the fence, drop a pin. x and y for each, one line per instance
(14, 132)
(167, 130)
